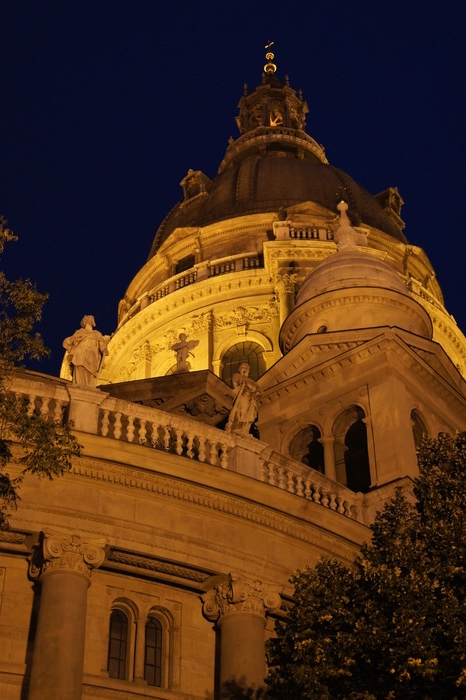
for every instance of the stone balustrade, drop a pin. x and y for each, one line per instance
(152, 428)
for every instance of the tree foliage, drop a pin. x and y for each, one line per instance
(394, 625)
(46, 448)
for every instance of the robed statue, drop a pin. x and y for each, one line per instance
(245, 394)
(86, 350)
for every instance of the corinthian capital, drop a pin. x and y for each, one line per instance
(240, 595)
(70, 552)
(285, 282)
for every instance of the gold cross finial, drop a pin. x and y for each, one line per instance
(269, 66)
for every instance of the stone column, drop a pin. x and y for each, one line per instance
(329, 457)
(239, 608)
(64, 570)
(285, 286)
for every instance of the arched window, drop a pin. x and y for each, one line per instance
(118, 645)
(306, 448)
(419, 428)
(351, 455)
(247, 351)
(153, 652)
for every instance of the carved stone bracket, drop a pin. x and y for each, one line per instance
(69, 552)
(240, 595)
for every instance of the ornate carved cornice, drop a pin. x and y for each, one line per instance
(157, 566)
(240, 595)
(67, 552)
(204, 497)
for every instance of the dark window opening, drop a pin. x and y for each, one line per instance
(306, 448)
(117, 644)
(184, 264)
(356, 458)
(153, 652)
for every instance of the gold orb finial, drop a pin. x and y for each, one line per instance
(269, 66)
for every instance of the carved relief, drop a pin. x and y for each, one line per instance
(242, 316)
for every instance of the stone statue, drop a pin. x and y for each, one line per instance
(183, 350)
(86, 350)
(245, 392)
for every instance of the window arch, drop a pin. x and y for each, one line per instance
(351, 454)
(118, 637)
(306, 448)
(419, 427)
(153, 654)
(248, 351)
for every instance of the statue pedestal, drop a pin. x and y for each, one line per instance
(84, 407)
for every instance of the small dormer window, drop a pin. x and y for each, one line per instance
(184, 264)
(194, 184)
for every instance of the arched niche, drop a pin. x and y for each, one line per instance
(306, 448)
(418, 427)
(351, 453)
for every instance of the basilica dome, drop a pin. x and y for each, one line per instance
(274, 165)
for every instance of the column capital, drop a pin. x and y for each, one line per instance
(285, 282)
(67, 552)
(326, 440)
(240, 595)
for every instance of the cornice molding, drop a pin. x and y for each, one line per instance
(205, 497)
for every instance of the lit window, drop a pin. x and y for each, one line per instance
(247, 351)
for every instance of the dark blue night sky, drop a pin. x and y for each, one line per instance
(106, 104)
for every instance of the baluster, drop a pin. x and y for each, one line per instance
(223, 456)
(333, 502)
(299, 486)
(166, 437)
(325, 499)
(340, 505)
(289, 481)
(179, 441)
(281, 477)
(152, 435)
(271, 475)
(44, 407)
(308, 489)
(58, 411)
(117, 426)
(189, 446)
(316, 496)
(142, 431)
(130, 429)
(202, 452)
(213, 456)
(32, 404)
(105, 422)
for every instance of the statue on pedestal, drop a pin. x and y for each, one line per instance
(86, 350)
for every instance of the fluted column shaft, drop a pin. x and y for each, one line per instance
(57, 664)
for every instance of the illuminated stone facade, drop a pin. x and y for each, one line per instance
(157, 567)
